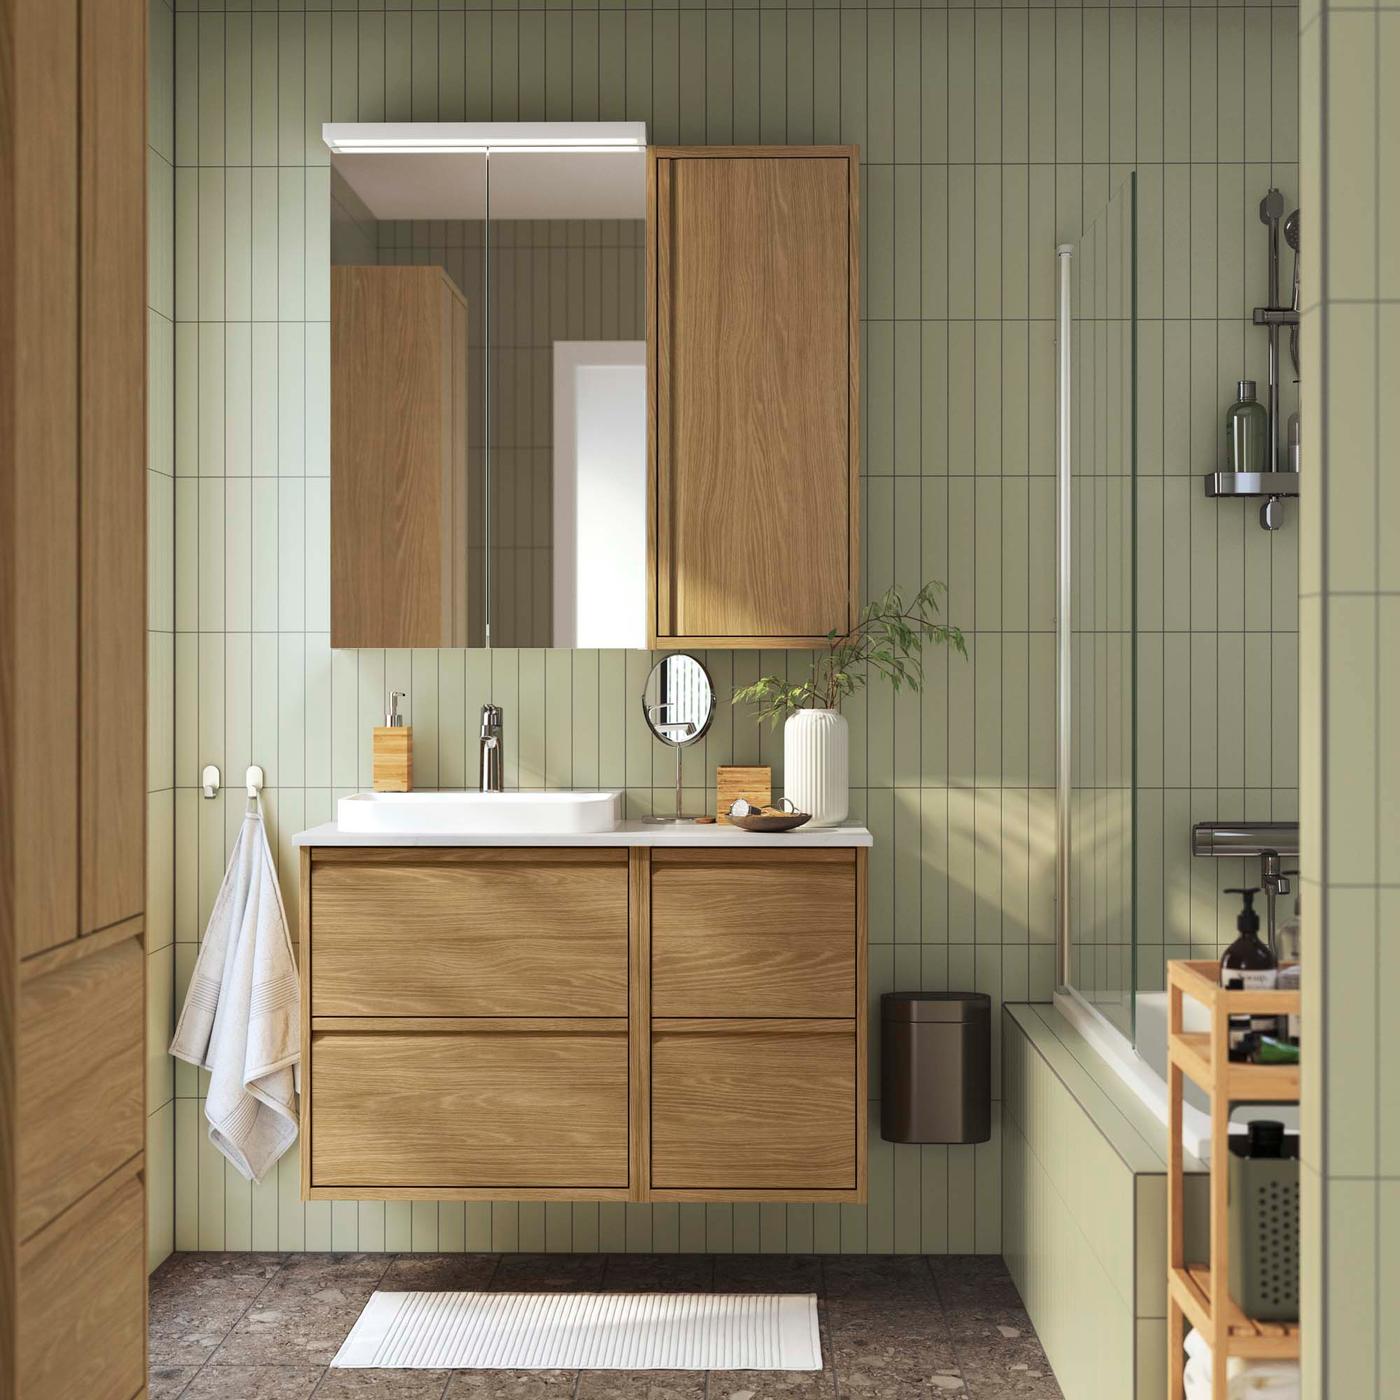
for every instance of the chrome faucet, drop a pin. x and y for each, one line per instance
(492, 738)
(1276, 882)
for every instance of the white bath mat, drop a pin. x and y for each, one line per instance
(590, 1331)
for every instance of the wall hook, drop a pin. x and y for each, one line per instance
(210, 780)
(254, 779)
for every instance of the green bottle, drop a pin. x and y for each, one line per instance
(1247, 432)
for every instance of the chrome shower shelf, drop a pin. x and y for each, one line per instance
(1251, 483)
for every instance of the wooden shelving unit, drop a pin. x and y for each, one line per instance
(1203, 1057)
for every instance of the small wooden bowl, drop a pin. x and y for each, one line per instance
(771, 821)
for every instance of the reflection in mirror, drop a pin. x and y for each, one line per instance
(600, 493)
(567, 410)
(678, 703)
(408, 431)
(489, 408)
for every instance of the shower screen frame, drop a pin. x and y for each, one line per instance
(1065, 715)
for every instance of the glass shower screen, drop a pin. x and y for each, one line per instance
(1097, 467)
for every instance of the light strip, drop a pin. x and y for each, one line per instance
(481, 138)
(421, 148)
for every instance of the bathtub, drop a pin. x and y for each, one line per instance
(1144, 1068)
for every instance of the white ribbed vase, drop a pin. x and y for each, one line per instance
(817, 764)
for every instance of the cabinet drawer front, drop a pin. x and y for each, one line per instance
(759, 1107)
(82, 1298)
(755, 938)
(80, 1126)
(480, 938)
(469, 1108)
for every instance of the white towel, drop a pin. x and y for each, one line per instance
(242, 1014)
(1266, 1380)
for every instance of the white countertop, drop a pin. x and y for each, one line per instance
(633, 833)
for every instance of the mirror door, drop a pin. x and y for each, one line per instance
(488, 482)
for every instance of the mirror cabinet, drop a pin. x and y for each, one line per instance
(590, 394)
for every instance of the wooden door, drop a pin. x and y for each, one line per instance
(753, 341)
(72, 698)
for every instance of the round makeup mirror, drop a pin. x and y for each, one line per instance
(678, 704)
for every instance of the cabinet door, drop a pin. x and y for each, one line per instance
(82, 1070)
(753, 371)
(766, 1107)
(469, 1107)
(81, 1299)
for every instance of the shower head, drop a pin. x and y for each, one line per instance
(1290, 230)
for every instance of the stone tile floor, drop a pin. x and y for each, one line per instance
(264, 1326)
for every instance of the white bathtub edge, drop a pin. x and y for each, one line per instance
(1112, 1045)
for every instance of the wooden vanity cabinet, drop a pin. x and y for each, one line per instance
(673, 1024)
(753, 382)
(406, 513)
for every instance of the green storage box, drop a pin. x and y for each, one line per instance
(1264, 1234)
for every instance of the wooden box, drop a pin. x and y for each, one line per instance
(756, 784)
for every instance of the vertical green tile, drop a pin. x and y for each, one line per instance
(826, 70)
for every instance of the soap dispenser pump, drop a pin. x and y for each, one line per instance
(393, 750)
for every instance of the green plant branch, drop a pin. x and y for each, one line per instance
(889, 638)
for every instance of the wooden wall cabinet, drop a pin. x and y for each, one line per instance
(584, 1024)
(753, 391)
(406, 513)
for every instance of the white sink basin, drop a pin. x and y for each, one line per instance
(480, 813)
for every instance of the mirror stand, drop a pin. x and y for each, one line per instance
(680, 801)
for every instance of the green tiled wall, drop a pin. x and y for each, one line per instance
(1350, 689)
(987, 134)
(160, 642)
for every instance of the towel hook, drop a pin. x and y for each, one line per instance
(211, 779)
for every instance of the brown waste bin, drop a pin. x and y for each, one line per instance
(935, 1067)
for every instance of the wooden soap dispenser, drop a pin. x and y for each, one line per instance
(393, 750)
